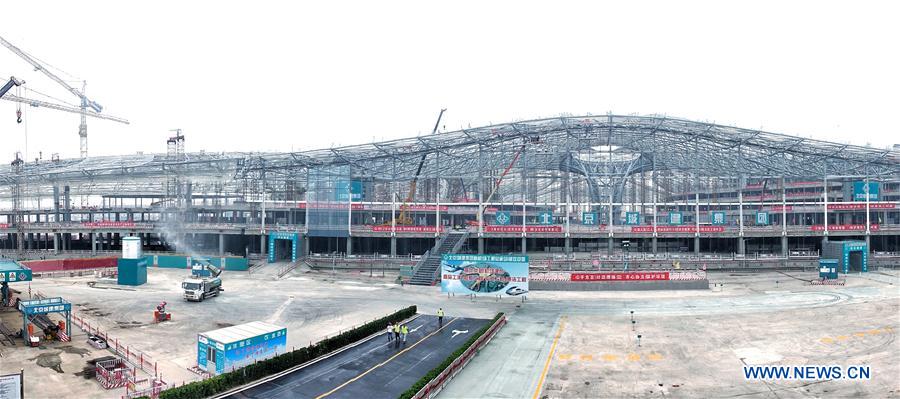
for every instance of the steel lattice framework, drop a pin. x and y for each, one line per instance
(585, 157)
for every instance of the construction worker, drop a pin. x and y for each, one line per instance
(404, 331)
(390, 331)
(441, 316)
(397, 334)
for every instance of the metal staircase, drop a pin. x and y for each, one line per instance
(428, 269)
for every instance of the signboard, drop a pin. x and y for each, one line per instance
(545, 217)
(353, 188)
(717, 218)
(632, 218)
(405, 229)
(762, 218)
(503, 218)
(15, 275)
(44, 306)
(675, 218)
(11, 386)
(283, 235)
(589, 218)
(632, 276)
(678, 229)
(505, 275)
(861, 189)
(528, 229)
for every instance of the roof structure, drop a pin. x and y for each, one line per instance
(240, 332)
(603, 151)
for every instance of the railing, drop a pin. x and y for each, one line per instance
(133, 356)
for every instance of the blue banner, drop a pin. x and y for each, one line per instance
(860, 190)
(484, 274)
(545, 217)
(632, 218)
(589, 218)
(717, 218)
(762, 218)
(502, 218)
(676, 218)
(353, 188)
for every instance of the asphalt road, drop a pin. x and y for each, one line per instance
(375, 368)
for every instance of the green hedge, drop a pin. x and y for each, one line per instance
(415, 388)
(277, 364)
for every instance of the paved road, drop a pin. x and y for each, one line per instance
(374, 369)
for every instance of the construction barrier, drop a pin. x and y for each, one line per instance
(69, 264)
(113, 373)
(139, 359)
(828, 282)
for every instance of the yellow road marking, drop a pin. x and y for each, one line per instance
(384, 362)
(634, 357)
(565, 356)
(875, 332)
(609, 357)
(841, 337)
(654, 356)
(826, 340)
(587, 358)
(562, 324)
(860, 334)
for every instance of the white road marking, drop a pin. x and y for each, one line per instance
(272, 319)
(457, 332)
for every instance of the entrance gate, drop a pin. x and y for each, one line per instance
(274, 236)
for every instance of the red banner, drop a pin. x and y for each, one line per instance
(423, 207)
(872, 205)
(518, 229)
(404, 229)
(678, 229)
(779, 208)
(843, 227)
(331, 205)
(630, 276)
(4, 225)
(106, 223)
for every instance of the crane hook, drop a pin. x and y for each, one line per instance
(18, 116)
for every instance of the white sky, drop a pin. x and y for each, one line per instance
(284, 75)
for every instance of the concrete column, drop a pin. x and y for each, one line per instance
(653, 244)
(263, 245)
(56, 242)
(784, 246)
(697, 245)
(350, 245)
(868, 243)
(221, 244)
(609, 245)
(524, 246)
(93, 242)
(393, 246)
(568, 245)
(305, 247)
(740, 246)
(480, 245)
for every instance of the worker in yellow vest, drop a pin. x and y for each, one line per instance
(441, 316)
(403, 331)
(397, 334)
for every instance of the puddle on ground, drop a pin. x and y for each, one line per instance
(49, 360)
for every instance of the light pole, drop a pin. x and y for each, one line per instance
(625, 245)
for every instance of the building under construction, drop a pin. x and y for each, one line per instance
(560, 185)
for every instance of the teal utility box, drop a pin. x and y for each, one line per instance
(133, 271)
(828, 269)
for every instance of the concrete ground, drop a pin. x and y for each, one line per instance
(376, 368)
(310, 304)
(694, 343)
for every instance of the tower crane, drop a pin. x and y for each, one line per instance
(88, 107)
(404, 217)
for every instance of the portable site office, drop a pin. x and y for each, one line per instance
(228, 348)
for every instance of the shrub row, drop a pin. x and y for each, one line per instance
(415, 388)
(277, 364)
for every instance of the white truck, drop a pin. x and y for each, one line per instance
(200, 288)
(204, 281)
